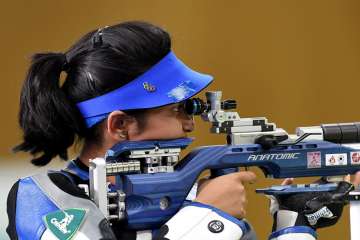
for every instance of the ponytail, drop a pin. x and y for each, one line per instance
(48, 114)
(48, 119)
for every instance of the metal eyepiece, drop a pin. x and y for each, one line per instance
(197, 106)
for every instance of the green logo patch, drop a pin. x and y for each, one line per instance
(65, 223)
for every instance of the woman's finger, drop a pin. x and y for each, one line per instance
(245, 177)
(347, 178)
(287, 181)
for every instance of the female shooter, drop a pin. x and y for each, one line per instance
(123, 82)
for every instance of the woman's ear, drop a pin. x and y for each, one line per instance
(118, 124)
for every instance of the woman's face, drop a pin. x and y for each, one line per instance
(168, 122)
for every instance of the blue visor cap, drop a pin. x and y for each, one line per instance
(167, 82)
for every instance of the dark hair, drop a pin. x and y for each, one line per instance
(48, 114)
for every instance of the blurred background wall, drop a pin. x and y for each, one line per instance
(293, 61)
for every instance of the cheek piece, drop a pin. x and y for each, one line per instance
(167, 82)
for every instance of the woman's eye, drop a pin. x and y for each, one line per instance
(178, 108)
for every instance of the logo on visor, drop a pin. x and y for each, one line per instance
(148, 87)
(182, 91)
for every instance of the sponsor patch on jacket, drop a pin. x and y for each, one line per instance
(338, 159)
(65, 223)
(323, 212)
(216, 226)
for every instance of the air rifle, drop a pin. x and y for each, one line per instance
(151, 184)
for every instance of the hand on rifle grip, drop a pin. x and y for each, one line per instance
(226, 192)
